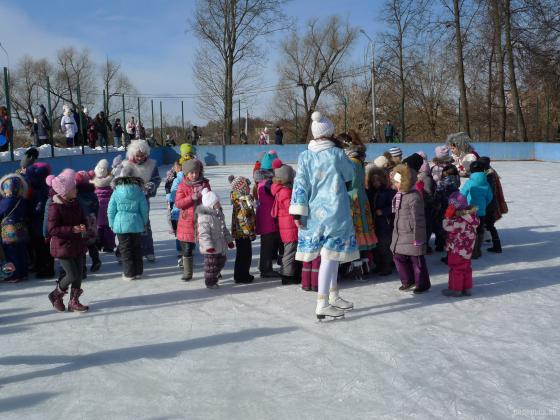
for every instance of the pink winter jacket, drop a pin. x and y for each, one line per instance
(185, 203)
(265, 222)
(280, 210)
(461, 233)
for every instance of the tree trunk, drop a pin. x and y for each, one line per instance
(461, 69)
(403, 86)
(497, 19)
(228, 129)
(489, 96)
(521, 129)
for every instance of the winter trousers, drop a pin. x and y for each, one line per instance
(213, 264)
(382, 255)
(130, 246)
(310, 274)
(93, 253)
(460, 272)
(412, 270)
(269, 251)
(73, 268)
(17, 254)
(479, 237)
(243, 259)
(439, 231)
(147, 241)
(187, 248)
(105, 237)
(290, 267)
(490, 226)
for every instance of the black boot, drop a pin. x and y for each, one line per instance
(496, 247)
(476, 251)
(187, 268)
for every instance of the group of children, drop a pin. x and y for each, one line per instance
(336, 215)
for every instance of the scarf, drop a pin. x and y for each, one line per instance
(397, 201)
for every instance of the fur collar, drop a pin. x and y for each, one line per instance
(128, 180)
(102, 182)
(408, 178)
(144, 170)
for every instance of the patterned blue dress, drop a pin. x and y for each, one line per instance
(320, 197)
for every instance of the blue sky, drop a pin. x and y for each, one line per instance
(149, 38)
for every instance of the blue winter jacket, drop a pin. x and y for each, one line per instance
(128, 207)
(175, 212)
(478, 192)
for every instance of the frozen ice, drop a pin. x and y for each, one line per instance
(159, 348)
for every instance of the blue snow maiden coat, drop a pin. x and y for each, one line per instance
(478, 192)
(128, 206)
(320, 198)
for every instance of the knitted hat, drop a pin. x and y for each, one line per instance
(485, 160)
(476, 166)
(209, 198)
(37, 173)
(458, 200)
(268, 158)
(102, 168)
(240, 184)
(29, 158)
(442, 151)
(381, 161)
(321, 126)
(414, 161)
(187, 149)
(395, 151)
(283, 173)
(192, 165)
(63, 183)
(82, 177)
(13, 185)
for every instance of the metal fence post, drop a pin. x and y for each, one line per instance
(51, 132)
(80, 115)
(9, 129)
(160, 122)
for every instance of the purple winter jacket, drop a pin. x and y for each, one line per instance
(265, 222)
(63, 216)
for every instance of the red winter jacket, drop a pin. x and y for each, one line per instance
(63, 216)
(280, 210)
(184, 202)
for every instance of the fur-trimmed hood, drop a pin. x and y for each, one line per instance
(128, 180)
(137, 146)
(13, 185)
(143, 171)
(102, 182)
(443, 160)
(373, 172)
(408, 177)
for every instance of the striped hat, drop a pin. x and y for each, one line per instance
(395, 151)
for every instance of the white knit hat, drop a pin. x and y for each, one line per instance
(321, 127)
(395, 151)
(209, 198)
(102, 168)
(381, 162)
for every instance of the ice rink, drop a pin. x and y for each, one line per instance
(159, 348)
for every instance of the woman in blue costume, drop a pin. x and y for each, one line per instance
(321, 207)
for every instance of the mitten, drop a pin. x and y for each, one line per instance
(450, 212)
(210, 250)
(150, 188)
(231, 245)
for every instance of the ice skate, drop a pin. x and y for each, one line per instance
(329, 311)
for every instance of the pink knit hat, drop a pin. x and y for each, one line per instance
(82, 177)
(63, 183)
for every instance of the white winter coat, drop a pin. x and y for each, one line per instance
(68, 126)
(212, 231)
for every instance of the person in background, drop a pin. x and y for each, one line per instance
(243, 137)
(170, 141)
(389, 131)
(118, 132)
(102, 125)
(43, 126)
(278, 135)
(68, 126)
(131, 129)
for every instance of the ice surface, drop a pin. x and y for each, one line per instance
(158, 348)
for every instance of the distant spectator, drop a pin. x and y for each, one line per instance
(389, 131)
(140, 131)
(77, 137)
(243, 137)
(68, 126)
(195, 135)
(118, 132)
(102, 125)
(31, 128)
(170, 141)
(278, 135)
(43, 126)
(89, 127)
(131, 128)
(5, 129)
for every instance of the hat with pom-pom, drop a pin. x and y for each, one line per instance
(240, 184)
(277, 163)
(267, 159)
(381, 161)
(209, 198)
(395, 151)
(63, 183)
(321, 126)
(284, 174)
(82, 177)
(102, 168)
(458, 200)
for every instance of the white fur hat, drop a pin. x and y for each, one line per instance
(381, 162)
(321, 126)
(209, 198)
(137, 146)
(102, 168)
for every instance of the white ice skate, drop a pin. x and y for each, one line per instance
(329, 311)
(125, 278)
(340, 303)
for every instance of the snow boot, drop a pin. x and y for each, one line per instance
(476, 251)
(420, 290)
(336, 301)
(74, 305)
(95, 266)
(467, 292)
(451, 293)
(56, 298)
(187, 268)
(496, 247)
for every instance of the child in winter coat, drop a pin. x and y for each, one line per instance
(36, 176)
(449, 183)
(67, 230)
(281, 190)
(460, 223)
(90, 204)
(188, 152)
(103, 190)
(380, 197)
(189, 195)
(497, 207)
(409, 233)
(267, 227)
(127, 214)
(321, 207)
(174, 212)
(214, 238)
(479, 194)
(440, 161)
(14, 216)
(242, 227)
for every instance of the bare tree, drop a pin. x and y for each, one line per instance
(233, 29)
(460, 67)
(75, 68)
(495, 9)
(314, 61)
(115, 83)
(403, 17)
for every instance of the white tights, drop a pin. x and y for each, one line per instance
(328, 275)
